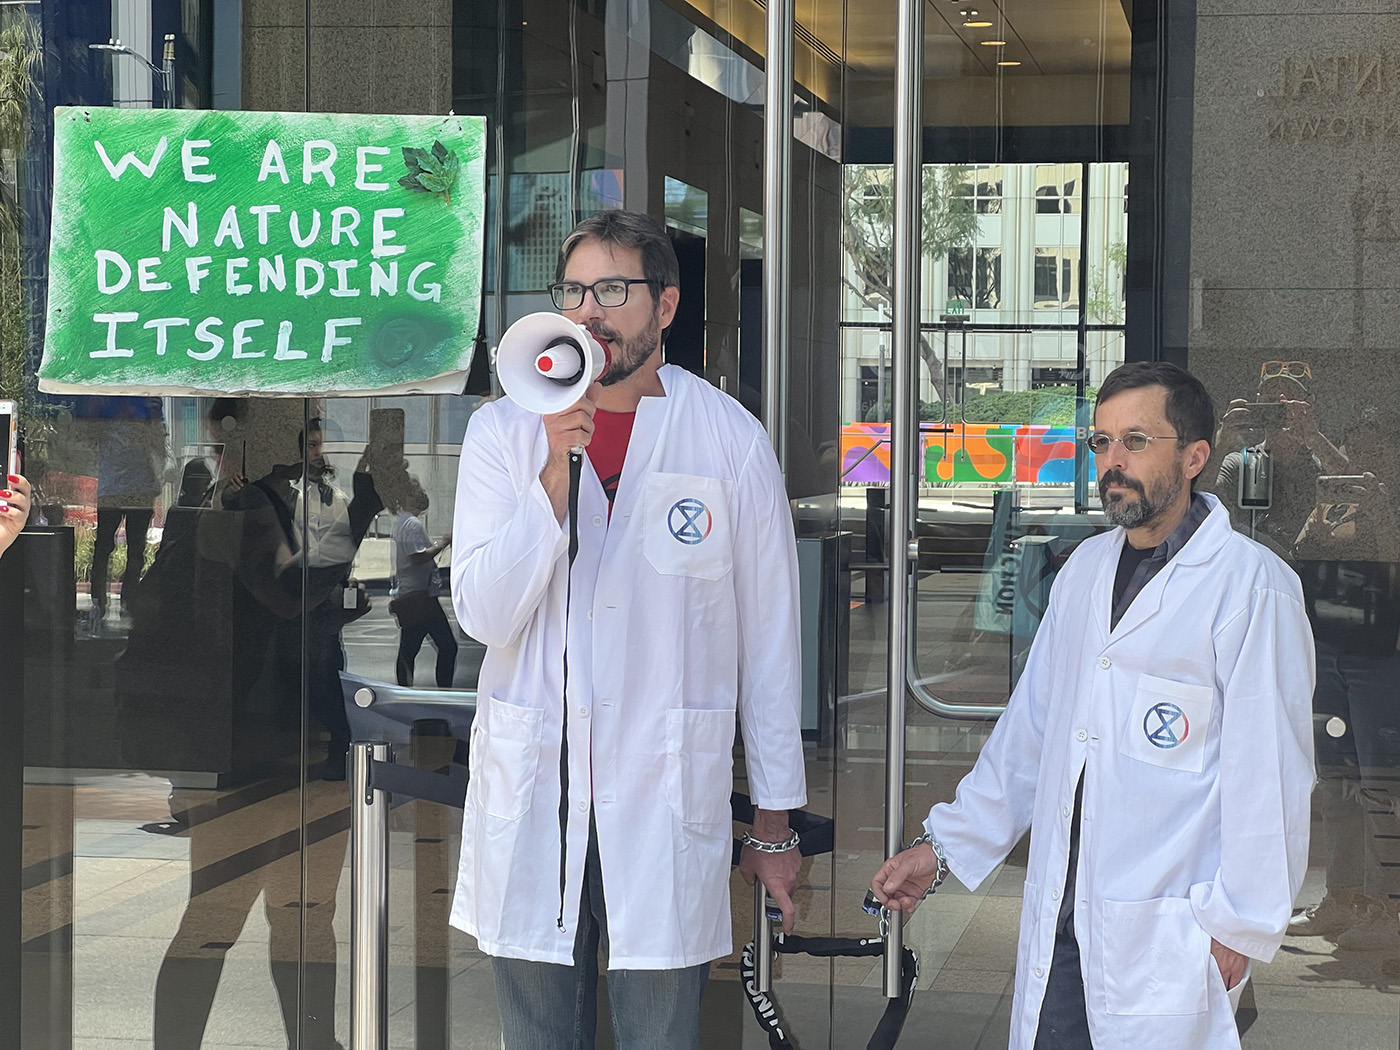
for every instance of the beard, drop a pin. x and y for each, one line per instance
(1142, 511)
(628, 355)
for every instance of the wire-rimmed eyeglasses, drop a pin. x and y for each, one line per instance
(609, 292)
(1133, 441)
(1292, 369)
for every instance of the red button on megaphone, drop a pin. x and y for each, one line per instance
(561, 361)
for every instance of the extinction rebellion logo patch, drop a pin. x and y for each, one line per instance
(690, 521)
(1166, 726)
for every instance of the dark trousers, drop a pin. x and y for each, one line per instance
(1064, 1019)
(411, 640)
(138, 521)
(324, 659)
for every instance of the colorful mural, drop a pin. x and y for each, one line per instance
(965, 452)
(865, 454)
(968, 452)
(1046, 454)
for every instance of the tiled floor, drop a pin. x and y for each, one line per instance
(115, 889)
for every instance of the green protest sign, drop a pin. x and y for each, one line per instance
(198, 252)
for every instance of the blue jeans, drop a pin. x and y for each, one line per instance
(545, 1006)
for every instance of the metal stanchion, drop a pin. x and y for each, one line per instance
(369, 901)
(762, 939)
(908, 184)
(777, 220)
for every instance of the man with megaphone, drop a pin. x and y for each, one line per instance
(624, 547)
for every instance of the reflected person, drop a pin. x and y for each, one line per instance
(245, 529)
(1173, 668)
(332, 525)
(130, 460)
(417, 587)
(1282, 421)
(1348, 556)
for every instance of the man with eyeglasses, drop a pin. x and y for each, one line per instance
(1159, 744)
(680, 615)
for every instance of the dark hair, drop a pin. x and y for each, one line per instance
(220, 408)
(628, 229)
(1190, 410)
(313, 427)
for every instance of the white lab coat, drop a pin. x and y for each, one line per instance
(683, 609)
(1192, 831)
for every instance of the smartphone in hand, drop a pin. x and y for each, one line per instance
(9, 435)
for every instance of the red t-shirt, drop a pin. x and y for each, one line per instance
(608, 449)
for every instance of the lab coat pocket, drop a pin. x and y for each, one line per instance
(509, 747)
(686, 530)
(700, 764)
(1167, 724)
(1155, 957)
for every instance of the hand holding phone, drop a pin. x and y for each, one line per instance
(14, 509)
(9, 435)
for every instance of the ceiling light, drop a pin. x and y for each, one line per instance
(977, 25)
(992, 43)
(1009, 62)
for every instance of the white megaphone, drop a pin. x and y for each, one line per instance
(546, 362)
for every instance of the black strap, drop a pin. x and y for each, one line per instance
(448, 789)
(575, 473)
(766, 1010)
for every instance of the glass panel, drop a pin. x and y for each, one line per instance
(185, 633)
(1108, 245)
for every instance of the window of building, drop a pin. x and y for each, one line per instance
(1057, 189)
(1069, 276)
(981, 189)
(1047, 278)
(988, 279)
(974, 276)
(960, 274)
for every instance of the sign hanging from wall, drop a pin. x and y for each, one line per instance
(200, 252)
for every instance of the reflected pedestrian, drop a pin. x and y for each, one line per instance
(417, 587)
(130, 460)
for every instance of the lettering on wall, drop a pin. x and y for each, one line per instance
(1332, 97)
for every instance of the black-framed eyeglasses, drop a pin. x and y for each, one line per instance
(1133, 441)
(609, 292)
